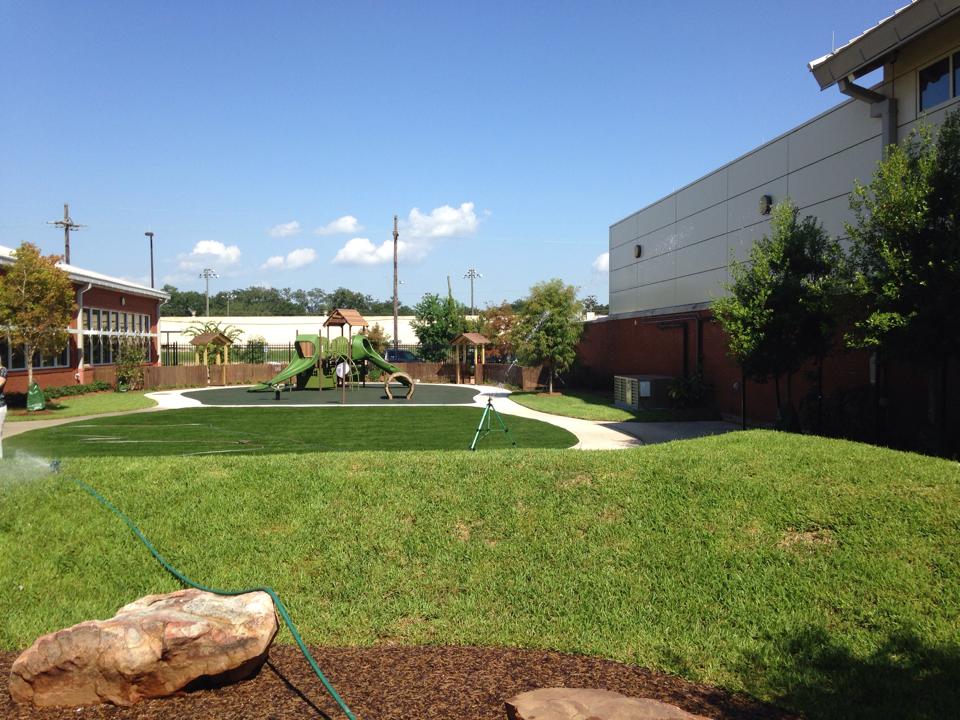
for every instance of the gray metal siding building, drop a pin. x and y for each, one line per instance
(673, 255)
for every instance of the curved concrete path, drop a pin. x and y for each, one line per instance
(590, 434)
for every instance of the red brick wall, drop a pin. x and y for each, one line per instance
(96, 298)
(907, 414)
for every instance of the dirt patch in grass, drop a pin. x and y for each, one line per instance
(805, 539)
(400, 683)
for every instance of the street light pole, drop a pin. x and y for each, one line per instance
(150, 235)
(396, 234)
(473, 275)
(206, 275)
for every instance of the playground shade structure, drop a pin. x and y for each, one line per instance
(315, 365)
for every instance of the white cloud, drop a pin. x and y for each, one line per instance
(442, 222)
(360, 251)
(285, 229)
(344, 225)
(209, 253)
(418, 233)
(602, 263)
(293, 260)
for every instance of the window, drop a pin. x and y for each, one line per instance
(939, 82)
(103, 330)
(956, 75)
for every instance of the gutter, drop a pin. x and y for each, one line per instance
(881, 106)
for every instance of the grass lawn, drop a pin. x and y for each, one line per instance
(818, 574)
(254, 431)
(589, 405)
(77, 405)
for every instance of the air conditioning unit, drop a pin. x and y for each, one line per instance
(635, 392)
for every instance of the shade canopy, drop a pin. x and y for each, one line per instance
(345, 316)
(211, 338)
(470, 339)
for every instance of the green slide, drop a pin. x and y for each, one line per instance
(363, 350)
(292, 370)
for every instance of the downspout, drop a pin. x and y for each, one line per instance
(80, 356)
(881, 106)
(162, 302)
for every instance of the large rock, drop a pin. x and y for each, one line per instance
(150, 648)
(587, 704)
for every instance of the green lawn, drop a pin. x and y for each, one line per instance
(254, 431)
(589, 405)
(818, 574)
(77, 405)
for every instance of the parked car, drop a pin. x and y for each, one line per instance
(405, 356)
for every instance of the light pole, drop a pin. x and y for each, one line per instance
(396, 343)
(473, 275)
(149, 234)
(206, 275)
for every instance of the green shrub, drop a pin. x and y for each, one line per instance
(19, 400)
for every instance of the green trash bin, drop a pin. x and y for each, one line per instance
(35, 399)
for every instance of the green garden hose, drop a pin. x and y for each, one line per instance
(281, 609)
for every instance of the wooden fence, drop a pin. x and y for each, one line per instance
(527, 378)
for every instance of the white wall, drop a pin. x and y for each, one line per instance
(689, 237)
(280, 329)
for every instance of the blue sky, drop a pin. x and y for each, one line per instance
(507, 136)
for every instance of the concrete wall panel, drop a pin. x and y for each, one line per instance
(702, 286)
(765, 164)
(623, 279)
(657, 269)
(623, 232)
(659, 242)
(622, 256)
(744, 210)
(707, 255)
(658, 215)
(657, 295)
(702, 226)
(702, 194)
(835, 174)
(845, 127)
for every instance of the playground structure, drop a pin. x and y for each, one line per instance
(345, 361)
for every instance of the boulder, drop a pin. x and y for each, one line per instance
(150, 648)
(588, 704)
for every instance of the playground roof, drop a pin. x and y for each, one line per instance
(470, 339)
(211, 338)
(345, 316)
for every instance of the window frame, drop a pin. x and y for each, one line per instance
(953, 80)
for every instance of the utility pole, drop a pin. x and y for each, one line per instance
(473, 275)
(149, 234)
(206, 275)
(67, 224)
(396, 234)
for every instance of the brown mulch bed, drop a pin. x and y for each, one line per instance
(394, 683)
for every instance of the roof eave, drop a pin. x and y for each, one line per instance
(874, 46)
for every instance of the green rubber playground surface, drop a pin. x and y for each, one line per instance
(372, 394)
(240, 432)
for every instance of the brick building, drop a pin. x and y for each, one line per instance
(669, 260)
(107, 309)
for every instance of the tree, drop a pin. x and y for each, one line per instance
(905, 253)
(496, 324)
(438, 321)
(36, 304)
(780, 310)
(591, 304)
(549, 326)
(378, 338)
